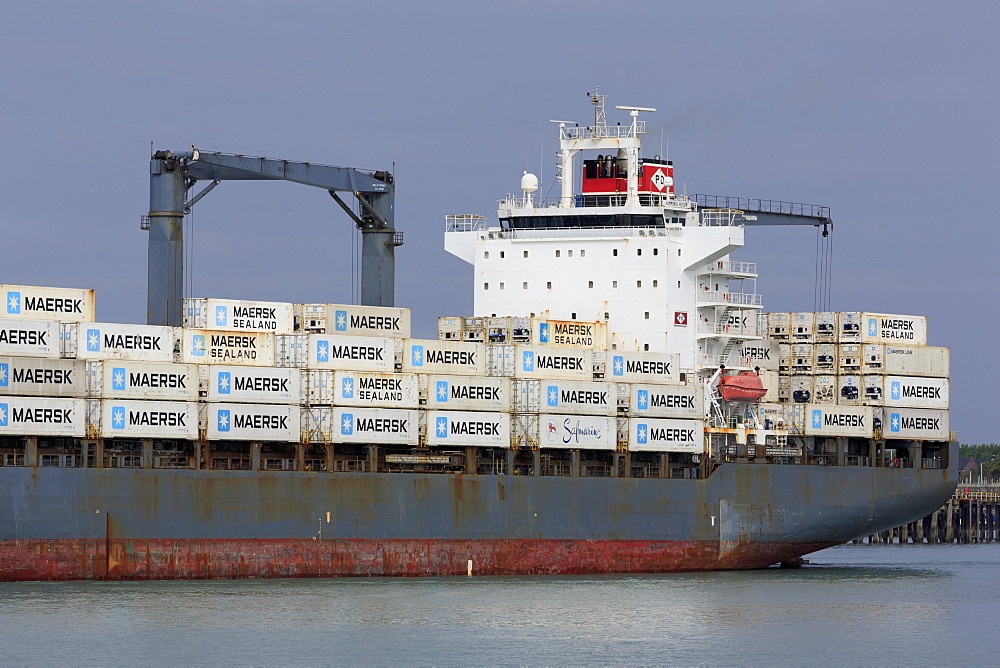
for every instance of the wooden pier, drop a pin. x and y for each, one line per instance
(972, 515)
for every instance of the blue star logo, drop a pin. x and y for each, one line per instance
(442, 391)
(340, 321)
(642, 433)
(442, 427)
(642, 399)
(528, 362)
(223, 420)
(895, 422)
(347, 388)
(896, 390)
(118, 378)
(617, 365)
(417, 355)
(14, 303)
(347, 424)
(552, 397)
(4, 375)
(93, 340)
(817, 419)
(543, 332)
(4, 414)
(322, 351)
(872, 326)
(118, 417)
(198, 345)
(221, 316)
(225, 382)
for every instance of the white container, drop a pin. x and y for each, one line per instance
(205, 346)
(257, 385)
(42, 416)
(145, 380)
(874, 394)
(896, 329)
(374, 321)
(254, 422)
(850, 389)
(578, 397)
(802, 326)
(802, 357)
(784, 357)
(29, 338)
(469, 393)
(351, 353)
(915, 423)
(450, 328)
(763, 354)
(824, 389)
(34, 302)
(872, 358)
(785, 388)
(825, 355)
(915, 392)
(468, 428)
(740, 323)
(778, 325)
(577, 432)
(43, 377)
(239, 316)
(310, 318)
(629, 367)
(543, 363)
(445, 357)
(371, 390)
(121, 418)
(801, 389)
(569, 333)
(849, 357)
(112, 341)
(826, 420)
(667, 401)
(849, 327)
(375, 425)
(320, 387)
(826, 327)
(772, 383)
(917, 361)
(771, 415)
(664, 435)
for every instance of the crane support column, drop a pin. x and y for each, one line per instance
(378, 248)
(165, 280)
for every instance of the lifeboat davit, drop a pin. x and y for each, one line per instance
(745, 387)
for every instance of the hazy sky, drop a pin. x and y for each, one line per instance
(884, 111)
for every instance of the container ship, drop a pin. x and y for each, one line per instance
(616, 402)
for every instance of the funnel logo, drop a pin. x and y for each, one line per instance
(642, 399)
(417, 355)
(14, 303)
(221, 316)
(441, 427)
(872, 326)
(528, 362)
(4, 375)
(347, 424)
(118, 417)
(552, 398)
(895, 422)
(118, 379)
(340, 321)
(347, 388)
(618, 365)
(198, 345)
(93, 340)
(223, 420)
(543, 332)
(896, 390)
(817, 419)
(641, 433)
(442, 391)
(225, 382)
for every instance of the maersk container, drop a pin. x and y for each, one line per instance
(874, 394)
(763, 354)
(472, 393)
(144, 380)
(803, 358)
(849, 357)
(666, 435)
(802, 325)
(468, 428)
(123, 418)
(872, 358)
(30, 338)
(569, 333)
(206, 346)
(784, 357)
(42, 303)
(320, 386)
(568, 396)
(772, 383)
(432, 356)
(541, 362)
(824, 389)
(392, 426)
(849, 327)
(258, 385)
(801, 389)
(771, 415)
(778, 325)
(916, 392)
(908, 330)
(113, 341)
(389, 390)
(239, 316)
(254, 422)
(667, 401)
(917, 361)
(43, 377)
(826, 355)
(641, 367)
(850, 389)
(577, 432)
(915, 423)
(351, 353)
(310, 318)
(784, 388)
(372, 321)
(450, 328)
(740, 323)
(42, 416)
(826, 327)
(826, 420)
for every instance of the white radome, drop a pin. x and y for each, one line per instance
(529, 182)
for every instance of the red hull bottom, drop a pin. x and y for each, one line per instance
(205, 559)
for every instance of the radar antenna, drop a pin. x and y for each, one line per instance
(600, 116)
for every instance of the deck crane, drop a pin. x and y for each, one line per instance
(172, 174)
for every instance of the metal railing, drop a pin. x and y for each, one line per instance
(762, 205)
(603, 131)
(595, 200)
(732, 268)
(736, 298)
(465, 222)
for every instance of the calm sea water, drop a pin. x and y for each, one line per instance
(857, 605)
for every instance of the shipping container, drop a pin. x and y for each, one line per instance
(917, 361)
(509, 330)
(577, 432)
(144, 380)
(850, 389)
(30, 302)
(803, 326)
(763, 354)
(205, 346)
(874, 394)
(772, 382)
(42, 416)
(778, 325)
(351, 353)
(849, 357)
(826, 355)
(257, 385)
(310, 318)
(872, 358)
(916, 392)
(472, 393)
(575, 397)
(740, 323)
(393, 426)
(43, 377)
(123, 418)
(826, 420)
(450, 328)
(801, 389)
(371, 321)
(474, 330)
(666, 435)
(540, 362)
(468, 428)
(915, 423)
(784, 357)
(784, 388)
(320, 387)
(771, 415)
(30, 338)
(849, 327)
(113, 341)
(803, 358)
(667, 401)
(444, 357)
(232, 315)
(569, 334)
(908, 330)
(824, 389)
(826, 327)
(372, 390)
(254, 422)
(632, 367)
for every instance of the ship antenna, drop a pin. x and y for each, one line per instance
(600, 116)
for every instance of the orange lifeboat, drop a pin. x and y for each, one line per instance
(745, 387)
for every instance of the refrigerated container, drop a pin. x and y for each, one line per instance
(850, 389)
(371, 321)
(393, 426)
(802, 326)
(113, 341)
(764, 354)
(895, 329)
(916, 392)
(915, 423)
(827, 420)
(207, 346)
(43, 416)
(233, 315)
(917, 361)
(666, 435)
(348, 353)
(165, 381)
(129, 418)
(30, 338)
(444, 357)
(30, 302)
(569, 334)
(567, 396)
(254, 422)
(259, 385)
(473, 393)
(667, 401)
(468, 428)
(372, 390)
(577, 432)
(642, 367)
(43, 377)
